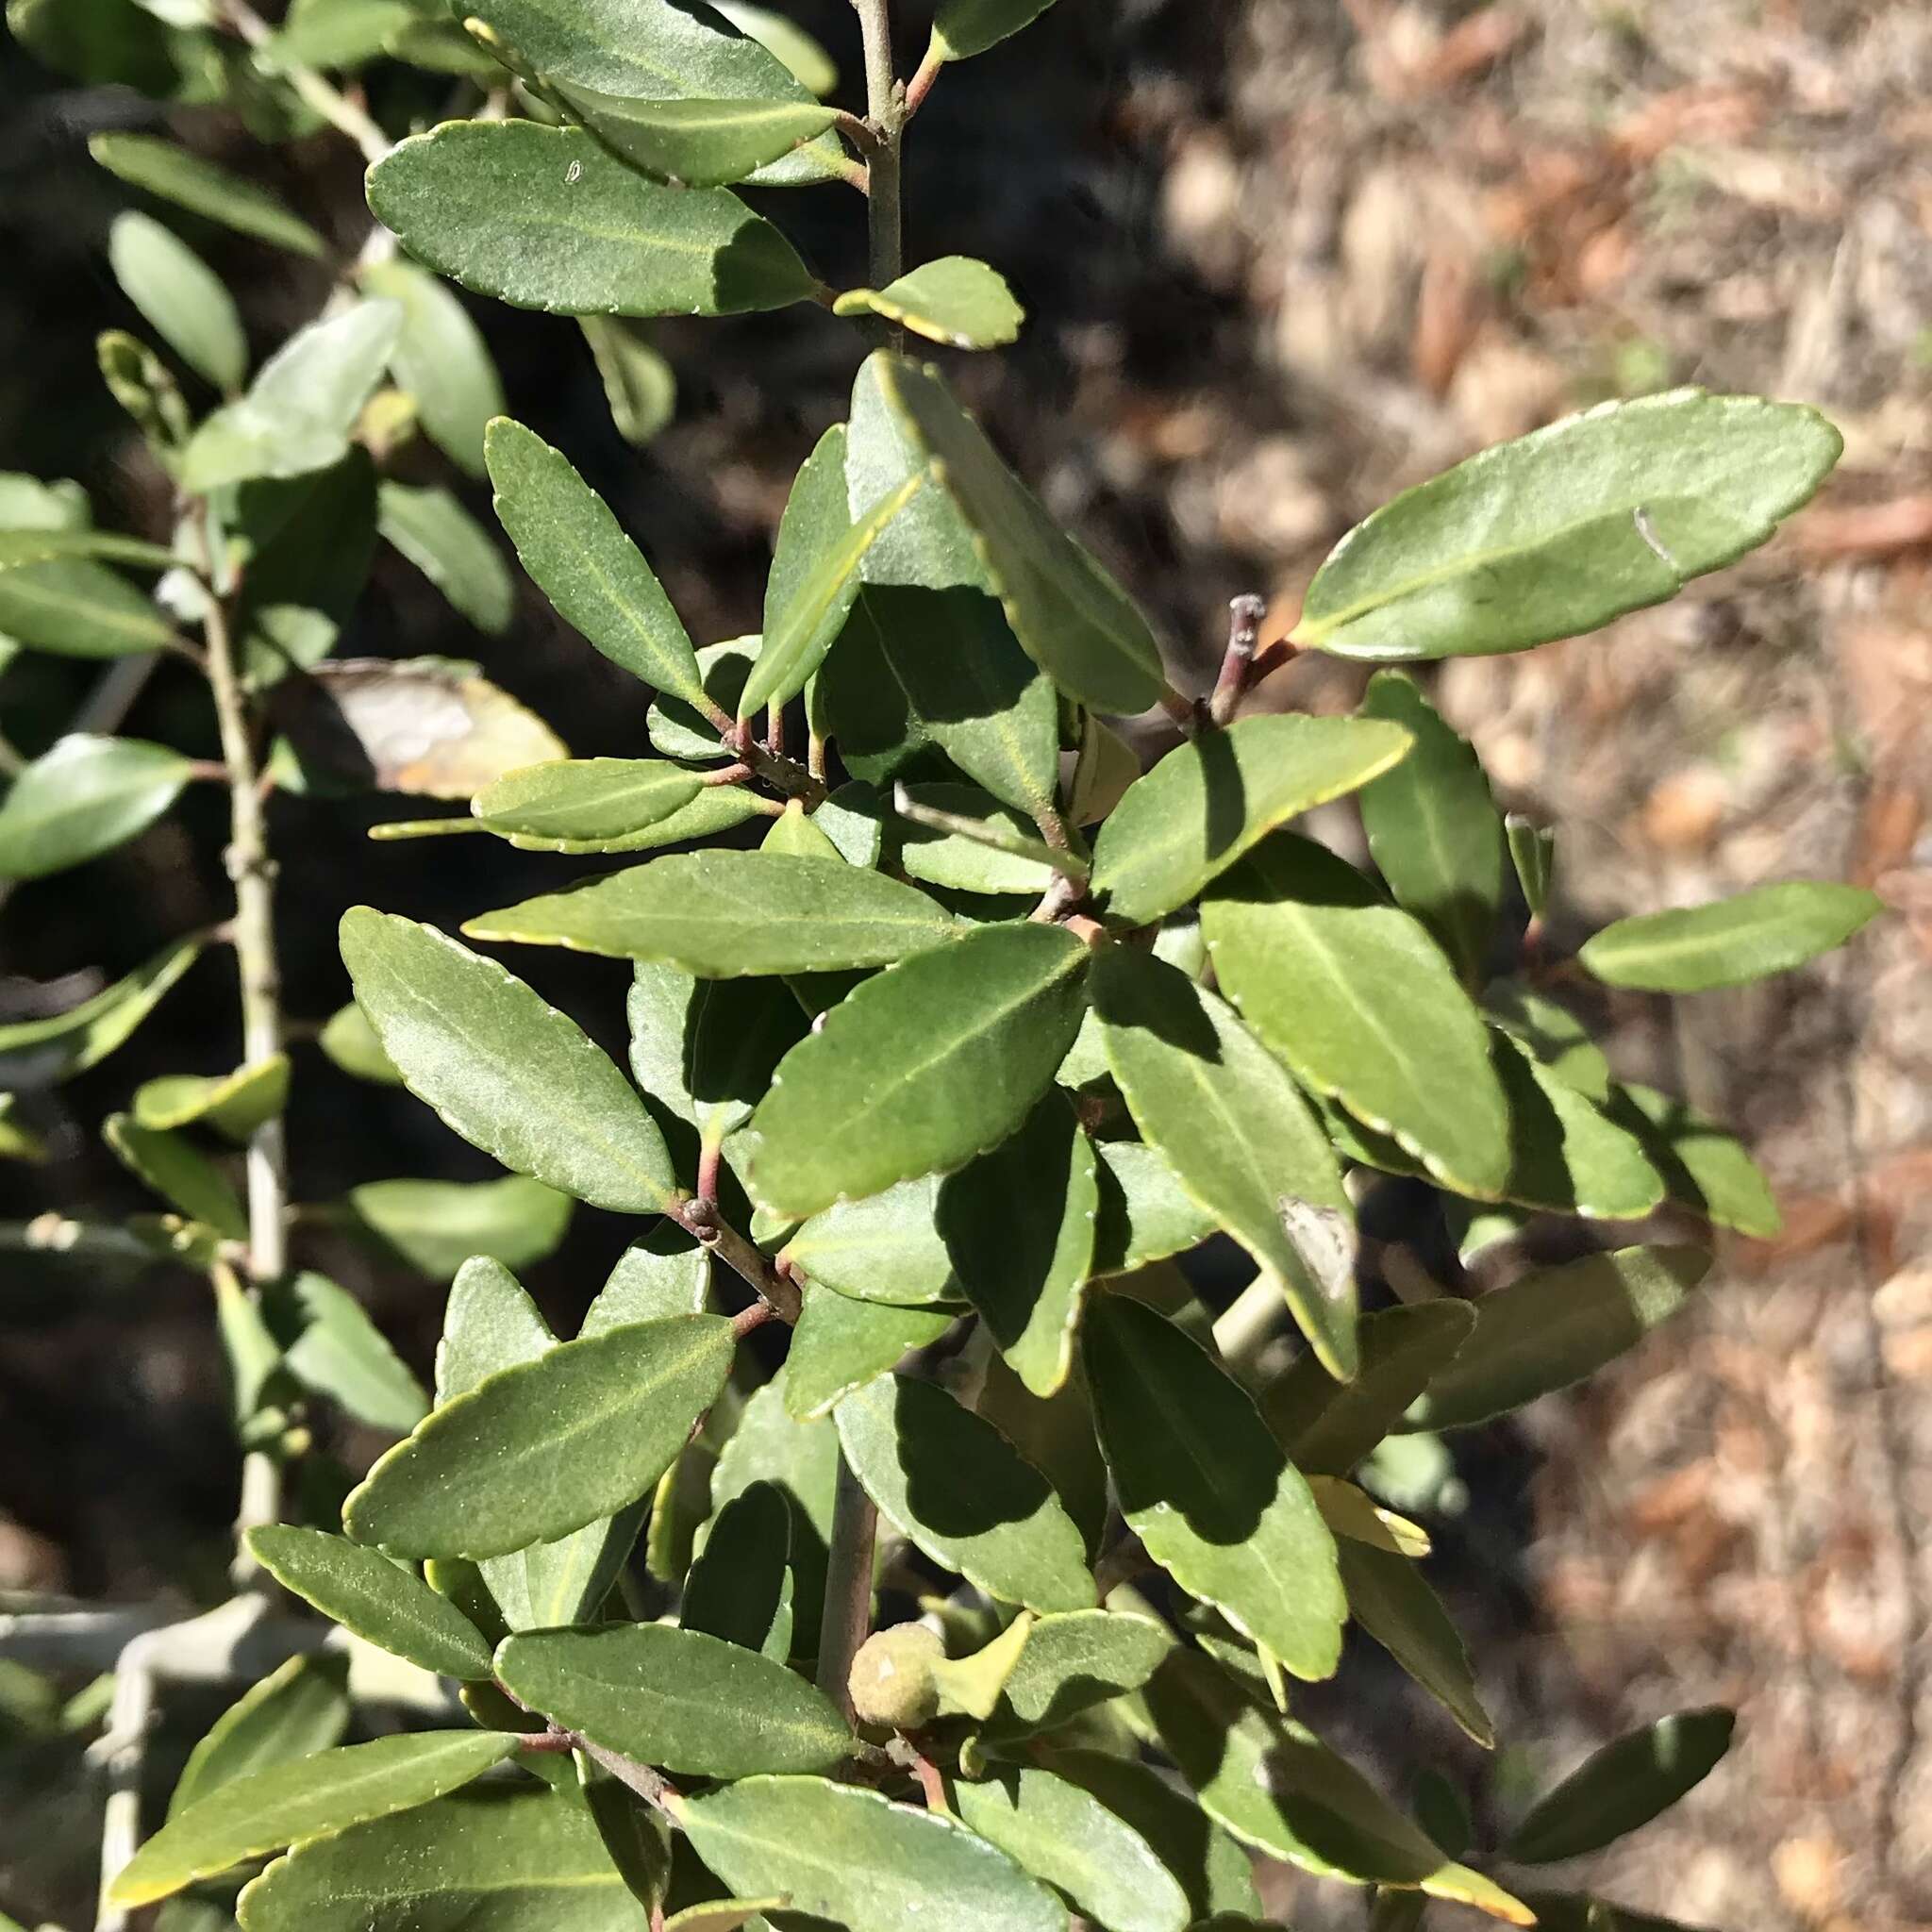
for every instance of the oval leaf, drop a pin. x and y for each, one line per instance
(840, 1344)
(1730, 942)
(145, 161)
(955, 300)
(448, 546)
(1074, 1661)
(183, 299)
(585, 798)
(82, 797)
(702, 143)
(441, 360)
(964, 27)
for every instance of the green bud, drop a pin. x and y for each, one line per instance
(892, 1681)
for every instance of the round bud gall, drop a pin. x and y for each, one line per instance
(892, 1681)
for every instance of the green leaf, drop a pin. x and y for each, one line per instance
(546, 1446)
(1327, 1426)
(677, 731)
(1072, 1663)
(639, 386)
(1623, 1786)
(67, 1043)
(1730, 942)
(1388, 1598)
(1533, 853)
(850, 1856)
(338, 34)
(919, 1068)
(75, 607)
(543, 218)
(965, 28)
(676, 1698)
(809, 63)
(323, 1793)
(1434, 830)
(697, 144)
(145, 161)
(350, 1041)
(1704, 1167)
(590, 571)
(511, 1074)
(435, 1226)
(962, 837)
(1237, 1134)
(1200, 1479)
(117, 41)
(333, 1347)
(840, 1344)
(304, 547)
(738, 1589)
(1556, 533)
(441, 359)
(1553, 1034)
(83, 797)
(233, 1104)
(297, 1709)
(815, 571)
(179, 1171)
(1211, 799)
(955, 300)
(367, 1593)
(1144, 1213)
(18, 1141)
(1018, 1224)
(1077, 623)
(1056, 1830)
(665, 1273)
(1567, 1157)
(1213, 1869)
(19, 549)
(885, 1247)
(448, 546)
(953, 1485)
(518, 1858)
(1361, 1005)
(715, 808)
(686, 52)
(732, 914)
(580, 799)
(182, 298)
(1552, 1328)
(302, 407)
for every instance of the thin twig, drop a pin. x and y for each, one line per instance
(1245, 615)
(347, 116)
(847, 1619)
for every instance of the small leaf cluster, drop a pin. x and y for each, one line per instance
(952, 1031)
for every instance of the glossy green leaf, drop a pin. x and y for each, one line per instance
(233, 1104)
(955, 300)
(576, 799)
(1237, 1134)
(1361, 1005)
(1327, 1426)
(885, 1247)
(508, 1073)
(698, 143)
(1211, 799)
(1553, 1034)
(108, 42)
(815, 571)
(1566, 1155)
(677, 731)
(441, 359)
(41, 1052)
(840, 1344)
(919, 1068)
(300, 1707)
(519, 1858)
(851, 1858)
(543, 218)
(1073, 1661)
(665, 1273)
(1556, 533)
(367, 1593)
(965, 28)
(583, 562)
(1146, 1214)
(82, 797)
(1729, 942)
(1213, 1869)
(350, 1041)
(1077, 623)
(809, 63)
(180, 1172)
(1704, 1168)
(302, 406)
(161, 168)
(75, 607)
(960, 836)
(639, 386)
(435, 1226)
(953, 1485)
(729, 914)
(541, 1448)
(448, 546)
(1552, 1328)
(1623, 1786)
(1434, 830)
(326, 1792)
(686, 52)
(1533, 853)
(1058, 1832)
(678, 1698)
(1388, 1598)
(716, 809)
(1212, 1495)
(182, 298)
(1018, 1224)
(332, 1348)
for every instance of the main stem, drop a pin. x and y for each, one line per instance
(847, 1614)
(252, 868)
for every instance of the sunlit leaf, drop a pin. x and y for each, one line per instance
(83, 797)
(182, 298)
(447, 544)
(699, 143)
(144, 161)
(1729, 942)
(954, 300)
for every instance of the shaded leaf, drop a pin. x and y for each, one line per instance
(954, 300)
(665, 1273)
(1704, 1167)
(962, 837)
(435, 1226)
(736, 1590)
(144, 161)
(447, 544)
(639, 386)
(1556, 533)
(964, 27)
(1388, 1598)
(1146, 1214)
(1055, 1435)
(38, 1053)
(441, 359)
(1566, 1156)
(176, 1170)
(1729, 942)
(82, 797)
(1553, 1034)
(331, 1347)
(885, 1247)
(350, 1041)
(181, 298)
(1533, 853)
(233, 1104)
(75, 607)
(678, 731)
(809, 63)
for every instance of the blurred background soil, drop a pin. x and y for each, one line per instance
(1282, 258)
